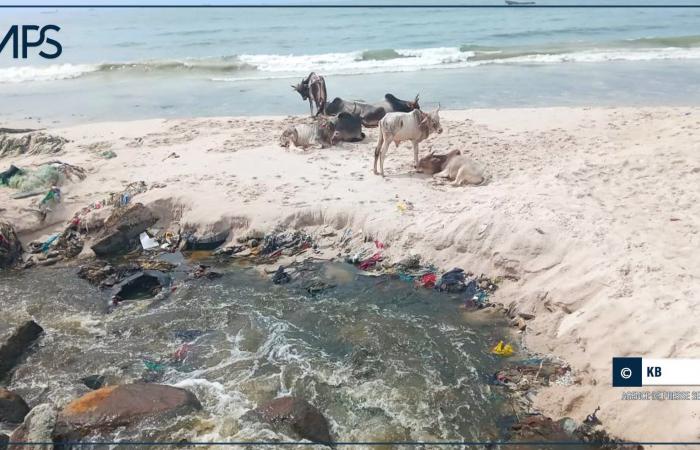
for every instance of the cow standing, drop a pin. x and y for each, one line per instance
(415, 126)
(313, 89)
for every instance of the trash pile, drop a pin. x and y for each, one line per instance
(531, 373)
(476, 290)
(259, 248)
(35, 182)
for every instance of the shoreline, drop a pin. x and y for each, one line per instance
(586, 206)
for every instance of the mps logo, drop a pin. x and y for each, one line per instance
(31, 36)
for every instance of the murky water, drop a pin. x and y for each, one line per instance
(382, 360)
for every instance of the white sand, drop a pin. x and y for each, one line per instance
(595, 211)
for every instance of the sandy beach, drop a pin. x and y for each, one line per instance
(590, 214)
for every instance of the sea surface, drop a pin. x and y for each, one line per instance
(383, 361)
(142, 63)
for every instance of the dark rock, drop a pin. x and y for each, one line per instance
(122, 228)
(295, 415)
(38, 426)
(143, 284)
(10, 246)
(115, 406)
(536, 427)
(93, 381)
(206, 242)
(4, 439)
(203, 271)
(280, 276)
(17, 345)
(13, 408)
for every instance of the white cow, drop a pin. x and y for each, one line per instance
(398, 127)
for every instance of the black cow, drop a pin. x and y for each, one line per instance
(369, 113)
(347, 128)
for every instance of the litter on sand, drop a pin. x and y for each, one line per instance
(502, 349)
(148, 242)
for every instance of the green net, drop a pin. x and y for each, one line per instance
(43, 177)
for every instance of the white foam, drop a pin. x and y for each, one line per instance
(21, 74)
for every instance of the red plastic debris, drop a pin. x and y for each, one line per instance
(427, 281)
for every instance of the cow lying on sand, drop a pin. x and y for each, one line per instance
(415, 126)
(369, 113)
(308, 135)
(462, 170)
(432, 163)
(324, 133)
(313, 89)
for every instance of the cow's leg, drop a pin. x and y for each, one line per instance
(415, 154)
(377, 151)
(311, 106)
(385, 149)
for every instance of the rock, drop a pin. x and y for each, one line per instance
(115, 406)
(10, 246)
(295, 415)
(13, 408)
(206, 242)
(94, 382)
(17, 345)
(38, 426)
(122, 228)
(30, 144)
(4, 439)
(143, 284)
(537, 427)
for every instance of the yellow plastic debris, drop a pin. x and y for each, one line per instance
(401, 206)
(502, 350)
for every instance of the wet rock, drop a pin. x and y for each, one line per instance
(295, 415)
(280, 276)
(204, 271)
(17, 345)
(30, 144)
(94, 382)
(13, 408)
(110, 407)
(122, 229)
(537, 427)
(143, 284)
(38, 426)
(316, 286)
(10, 246)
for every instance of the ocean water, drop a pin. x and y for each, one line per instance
(138, 63)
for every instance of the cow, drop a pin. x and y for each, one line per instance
(313, 89)
(305, 135)
(369, 113)
(432, 163)
(462, 170)
(393, 104)
(397, 127)
(347, 128)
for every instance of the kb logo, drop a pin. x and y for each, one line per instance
(31, 36)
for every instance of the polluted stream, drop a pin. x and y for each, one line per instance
(381, 359)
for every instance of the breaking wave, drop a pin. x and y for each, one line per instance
(270, 66)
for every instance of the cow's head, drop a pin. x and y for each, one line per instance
(303, 89)
(290, 135)
(432, 121)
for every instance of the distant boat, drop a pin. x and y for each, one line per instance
(514, 3)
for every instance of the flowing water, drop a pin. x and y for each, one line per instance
(383, 361)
